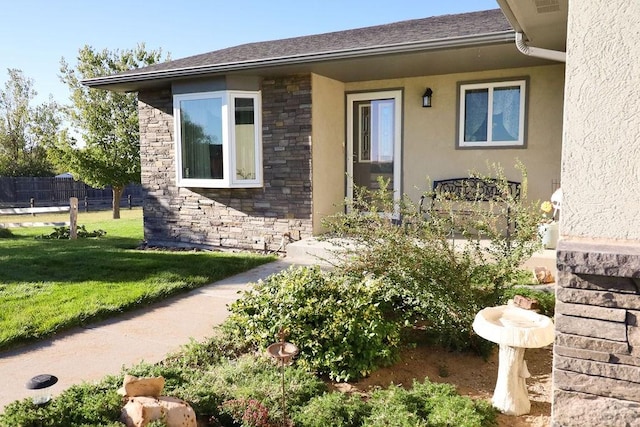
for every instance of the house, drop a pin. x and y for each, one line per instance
(255, 144)
(292, 124)
(596, 368)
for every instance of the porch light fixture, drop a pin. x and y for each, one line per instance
(426, 98)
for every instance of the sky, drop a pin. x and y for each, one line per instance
(36, 34)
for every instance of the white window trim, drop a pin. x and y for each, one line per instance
(229, 179)
(491, 86)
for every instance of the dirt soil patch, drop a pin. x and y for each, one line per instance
(472, 376)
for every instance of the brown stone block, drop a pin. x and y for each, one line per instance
(633, 333)
(595, 328)
(591, 311)
(601, 369)
(571, 409)
(592, 344)
(603, 258)
(598, 298)
(581, 354)
(601, 283)
(605, 387)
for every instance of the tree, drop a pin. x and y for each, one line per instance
(108, 121)
(26, 132)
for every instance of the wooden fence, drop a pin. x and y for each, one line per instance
(51, 191)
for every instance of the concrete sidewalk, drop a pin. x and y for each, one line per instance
(89, 353)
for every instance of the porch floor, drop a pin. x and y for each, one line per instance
(324, 252)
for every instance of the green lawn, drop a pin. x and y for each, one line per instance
(50, 285)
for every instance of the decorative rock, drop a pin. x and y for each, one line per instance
(145, 404)
(543, 275)
(526, 303)
(134, 386)
(140, 411)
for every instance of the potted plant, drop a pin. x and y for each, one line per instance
(548, 226)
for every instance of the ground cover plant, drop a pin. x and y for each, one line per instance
(227, 390)
(50, 285)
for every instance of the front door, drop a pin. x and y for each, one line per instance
(374, 140)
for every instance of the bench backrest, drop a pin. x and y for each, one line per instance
(474, 189)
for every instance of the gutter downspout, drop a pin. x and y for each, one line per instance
(538, 52)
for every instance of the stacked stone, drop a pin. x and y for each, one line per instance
(596, 370)
(249, 218)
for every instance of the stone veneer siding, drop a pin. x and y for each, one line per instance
(596, 367)
(253, 218)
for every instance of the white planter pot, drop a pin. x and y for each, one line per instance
(549, 234)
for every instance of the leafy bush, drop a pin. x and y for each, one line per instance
(79, 405)
(333, 409)
(64, 232)
(246, 378)
(429, 279)
(424, 404)
(249, 412)
(337, 322)
(5, 233)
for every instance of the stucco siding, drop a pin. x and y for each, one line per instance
(328, 148)
(601, 157)
(429, 134)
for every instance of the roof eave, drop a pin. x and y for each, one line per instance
(507, 36)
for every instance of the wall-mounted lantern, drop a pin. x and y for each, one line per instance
(426, 98)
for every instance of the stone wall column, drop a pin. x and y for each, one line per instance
(596, 367)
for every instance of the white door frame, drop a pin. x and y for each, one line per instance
(396, 95)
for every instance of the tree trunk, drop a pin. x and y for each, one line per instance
(115, 204)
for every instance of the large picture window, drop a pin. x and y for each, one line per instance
(218, 139)
(492, 114)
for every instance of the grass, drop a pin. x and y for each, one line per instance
(47, 286)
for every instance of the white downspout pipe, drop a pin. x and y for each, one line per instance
(538, 52)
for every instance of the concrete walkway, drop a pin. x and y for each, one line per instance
(89, 353)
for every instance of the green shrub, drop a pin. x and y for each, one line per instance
(428, 404)
(333, 409)
(64, 232)
(5, 233)
(246, 391)
(429, 280)
(337, 322)
(424, 404)
(79, 405)
(247, 378)
(248, 412)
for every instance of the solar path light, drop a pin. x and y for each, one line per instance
(41, 386)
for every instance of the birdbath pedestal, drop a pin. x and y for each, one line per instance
(514, 329)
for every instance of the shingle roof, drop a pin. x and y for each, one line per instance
(404, 33)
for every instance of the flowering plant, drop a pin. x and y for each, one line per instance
(546, 207)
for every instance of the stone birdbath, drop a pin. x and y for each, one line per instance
(514, 329)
